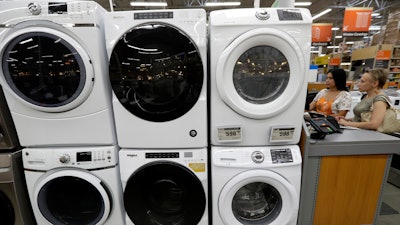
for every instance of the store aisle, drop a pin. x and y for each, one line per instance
(390, 210)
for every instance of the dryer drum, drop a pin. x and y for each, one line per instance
(6, 210)
(43, 69)
(164, 193)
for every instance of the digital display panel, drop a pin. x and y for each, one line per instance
(57, 7)
(84, 156)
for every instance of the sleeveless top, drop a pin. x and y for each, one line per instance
(365, 106)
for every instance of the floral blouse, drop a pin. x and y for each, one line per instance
(341, 102)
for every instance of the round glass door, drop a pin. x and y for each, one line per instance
(47, 70)
(258, 197)
(156, 72)
(164, 193)
(261, 73)
(257, 201)
(68, 199)
(7, 210)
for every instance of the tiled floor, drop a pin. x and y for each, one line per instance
(391, 196)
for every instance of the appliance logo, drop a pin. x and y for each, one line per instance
(132, 155)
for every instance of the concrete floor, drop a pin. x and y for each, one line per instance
(391, 196)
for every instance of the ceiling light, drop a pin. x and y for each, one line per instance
(335, 28)
(222, 4)
(321, 13)
(375, 28)
(337, 37)
(302, 3)
(153, 4)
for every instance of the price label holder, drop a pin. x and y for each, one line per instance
(230, 134)
(282, 134)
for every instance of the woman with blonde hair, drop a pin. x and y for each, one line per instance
(372, 83)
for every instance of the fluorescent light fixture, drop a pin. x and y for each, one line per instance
(375, 14)
(321, 13)
(375, 28)
(213, 4)
(349, 42)
(333, 47)
(339, 36)
(335, 28)
(153, 4)
(302, 3)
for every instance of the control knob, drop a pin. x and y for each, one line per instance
(262, 14)
(257, 157)
(65, 159)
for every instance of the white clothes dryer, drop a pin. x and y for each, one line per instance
(255, 185)
(74, 185)
(395, 101)
(158, 71)
(15, 207)
(165, 187)
(258, 75)
(54, 72)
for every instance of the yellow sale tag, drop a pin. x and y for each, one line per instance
(198, 167)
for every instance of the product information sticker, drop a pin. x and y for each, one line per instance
(229, 134)
(282, 134)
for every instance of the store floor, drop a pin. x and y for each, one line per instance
(390, 209)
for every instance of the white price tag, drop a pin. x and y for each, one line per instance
(229, 134)
(282, 134)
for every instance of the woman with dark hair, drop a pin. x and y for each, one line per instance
(334, 100)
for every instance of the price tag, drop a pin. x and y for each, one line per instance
(282, 134)
(229, 134)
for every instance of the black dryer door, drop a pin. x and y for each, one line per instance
(156, 72)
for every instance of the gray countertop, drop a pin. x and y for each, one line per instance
(352, 142)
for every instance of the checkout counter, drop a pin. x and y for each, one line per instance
(344, 175)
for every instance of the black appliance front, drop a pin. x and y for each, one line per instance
(43, 69)
(71, 200)
(164, 192)
(156, 72)
(6, 209)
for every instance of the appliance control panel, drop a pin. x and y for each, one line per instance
(86, 158)
(253, 157)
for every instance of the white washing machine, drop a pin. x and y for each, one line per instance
(74, 185)
(54, 72)
(258, 75)
(255, 185)
(395, 101)
(165, 187)
(15, 207)
(355, 99)
(158, 73)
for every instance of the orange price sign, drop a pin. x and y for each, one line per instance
(356, 20)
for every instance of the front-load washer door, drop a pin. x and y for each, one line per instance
(258, 197)
(72, 197)
(260, 73)
(6, 209)
(156, 72)
(46, 69)
(164, 193)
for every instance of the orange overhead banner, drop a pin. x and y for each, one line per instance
(356, 21)
(321, 34)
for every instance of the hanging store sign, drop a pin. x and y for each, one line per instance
(383, 55)
(321, 34)
(334, 61)
(356, 22)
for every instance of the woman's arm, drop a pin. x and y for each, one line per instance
(376, 118)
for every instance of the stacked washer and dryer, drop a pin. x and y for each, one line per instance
(55, 82)
(157, 70)
(258, 86)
